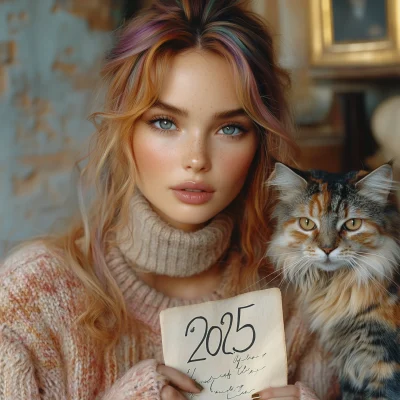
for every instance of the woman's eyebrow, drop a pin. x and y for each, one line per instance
(184, 113)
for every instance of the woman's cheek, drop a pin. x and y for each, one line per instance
(235, 167)
(154, 157)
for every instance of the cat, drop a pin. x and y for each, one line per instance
(337, 241)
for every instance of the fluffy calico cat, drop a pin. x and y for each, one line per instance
(337, 241)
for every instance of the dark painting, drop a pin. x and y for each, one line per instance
(359, 20)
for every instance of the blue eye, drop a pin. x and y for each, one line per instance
(232, 130)
(164, 124)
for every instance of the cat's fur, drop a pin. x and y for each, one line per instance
(348, 281)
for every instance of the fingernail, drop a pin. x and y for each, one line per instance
(256, 396)
(199, 386)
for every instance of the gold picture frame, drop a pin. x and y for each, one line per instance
(366, 52)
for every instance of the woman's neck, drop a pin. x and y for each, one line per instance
(188, 288)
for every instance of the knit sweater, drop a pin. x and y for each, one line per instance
(159, 248)
(45, 355)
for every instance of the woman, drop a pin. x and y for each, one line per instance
(195, 113)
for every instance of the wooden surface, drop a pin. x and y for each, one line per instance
(328, 158)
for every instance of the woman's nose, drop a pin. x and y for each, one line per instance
(197, 155)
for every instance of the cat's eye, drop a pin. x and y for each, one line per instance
(353, 224)
(307, 224)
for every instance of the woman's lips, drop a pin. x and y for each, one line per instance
(189, 197)
(193, 192)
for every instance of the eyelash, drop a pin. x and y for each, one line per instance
(169, 119)
(160, 118)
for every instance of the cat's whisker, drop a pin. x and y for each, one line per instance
(378, 285)
(282, 258)
(299, 265)
(265, 277)
(376, 255)
(354, 266)
(267, 283)
(306, 265)
(394, 263)
(366, 261)
(358, 266)
(373, 280)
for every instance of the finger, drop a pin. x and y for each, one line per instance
(179, 379)
(282, 393)
(169, 393)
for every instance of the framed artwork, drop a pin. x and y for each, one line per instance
(346, 33)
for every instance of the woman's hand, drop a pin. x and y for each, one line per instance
(289, 392)
(177, 380)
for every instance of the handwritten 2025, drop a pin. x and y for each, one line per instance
(215, 332)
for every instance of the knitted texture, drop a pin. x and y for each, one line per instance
(305, 392)
(142, 381)
(158, 247)
(146, 303)
(44, 355)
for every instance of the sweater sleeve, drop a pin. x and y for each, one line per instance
(17, 374)
(142, 381)
(36, 314)
(306, 393)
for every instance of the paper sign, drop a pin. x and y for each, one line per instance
(233, 347)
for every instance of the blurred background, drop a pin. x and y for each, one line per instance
(343, 56)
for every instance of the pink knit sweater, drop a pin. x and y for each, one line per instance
(44, 355)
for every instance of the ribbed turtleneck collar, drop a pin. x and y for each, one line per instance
(152, 245)
(145, 303)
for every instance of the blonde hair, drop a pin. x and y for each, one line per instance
(134, 75)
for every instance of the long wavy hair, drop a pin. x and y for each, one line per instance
(133, 75)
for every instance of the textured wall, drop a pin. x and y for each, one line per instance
(50, 55)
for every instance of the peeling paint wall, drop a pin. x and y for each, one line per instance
(50, 55)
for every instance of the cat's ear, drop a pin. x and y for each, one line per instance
(377, 184)
(287, 182)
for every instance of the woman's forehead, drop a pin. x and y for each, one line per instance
(199, 81)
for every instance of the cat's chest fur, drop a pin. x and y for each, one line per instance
(334, 301)
(360, 327)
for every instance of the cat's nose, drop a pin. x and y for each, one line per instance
(328, 250)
